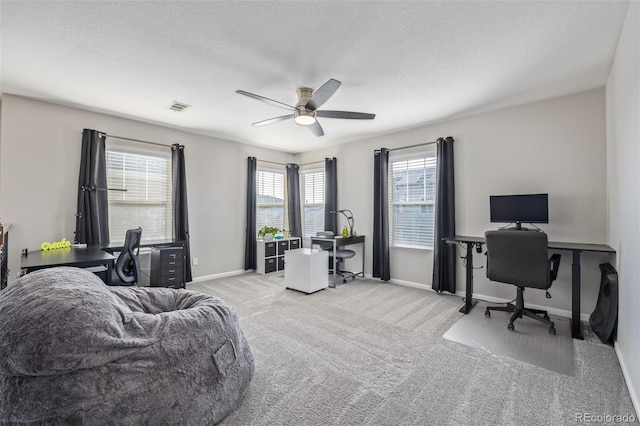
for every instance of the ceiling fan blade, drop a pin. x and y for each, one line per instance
(323, 93)
(266, 100)
(272, 120)
(346, 114)
(316, 129)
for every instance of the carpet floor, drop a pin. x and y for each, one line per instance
(373, 353)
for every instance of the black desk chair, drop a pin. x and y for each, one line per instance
(520, 258)
(127, 268)
(341, 254)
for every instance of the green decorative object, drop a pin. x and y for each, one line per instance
(63, 243)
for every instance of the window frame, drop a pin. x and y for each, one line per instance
(273, 170)
(303, 202)
(132, 148)
(430, 157)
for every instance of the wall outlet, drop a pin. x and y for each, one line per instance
(195, 261)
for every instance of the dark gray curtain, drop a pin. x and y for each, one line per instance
(92, 219)
(180, 205)
(381, 264)
(250, 245)
(293, 200)
(330, 195)
(444, 255)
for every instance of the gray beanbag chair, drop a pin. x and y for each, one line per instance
(74, 351)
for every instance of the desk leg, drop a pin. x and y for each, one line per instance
(575, 296)
(335, 264)
(469, 302)
(363, 257)
(109, 271)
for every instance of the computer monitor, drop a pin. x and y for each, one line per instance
(528, 208)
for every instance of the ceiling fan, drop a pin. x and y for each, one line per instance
(306, 111)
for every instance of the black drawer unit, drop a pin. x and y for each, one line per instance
(167, 267)
(294, 244)
(270, 249)
(283, 245)
(270, 265)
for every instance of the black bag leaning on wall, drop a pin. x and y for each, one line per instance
(604, 318)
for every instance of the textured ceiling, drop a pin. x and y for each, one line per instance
(410, 63)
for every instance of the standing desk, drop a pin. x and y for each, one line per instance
(575, 248)
(339, 241)
(78, 257)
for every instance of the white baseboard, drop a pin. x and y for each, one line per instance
(411, 284)
(221, 275)
(634, 396)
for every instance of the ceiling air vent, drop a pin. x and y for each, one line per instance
(178, 106)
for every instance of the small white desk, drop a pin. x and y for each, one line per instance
(307, 270)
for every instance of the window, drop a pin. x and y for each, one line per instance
(412, 190)
(313, 208)
(145, 200)
(269, 199)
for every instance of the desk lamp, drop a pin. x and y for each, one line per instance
(349, 219)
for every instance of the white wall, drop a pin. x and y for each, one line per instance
(555, 146)
(623, 181)
(39, 161)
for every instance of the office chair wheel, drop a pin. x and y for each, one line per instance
(510, 326)
(344, 281)
(487, 313)
(552, 330)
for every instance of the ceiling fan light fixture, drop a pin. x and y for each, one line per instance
(304, 117)
(306, 109)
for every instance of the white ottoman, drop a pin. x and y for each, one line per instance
(306, 270)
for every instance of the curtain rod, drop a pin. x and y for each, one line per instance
(281, 164)
(270, 162)
(412, 146)
(313, 162)
(136, 140)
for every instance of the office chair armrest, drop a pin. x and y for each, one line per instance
(554, 264)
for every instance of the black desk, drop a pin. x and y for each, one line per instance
(575, 248)
(339, 241)
(78, 257)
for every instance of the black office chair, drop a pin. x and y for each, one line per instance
(127, 268)
(341, 254)
(520, 258)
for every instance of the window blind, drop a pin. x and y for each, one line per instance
(269, 199)
(313, 213)
(412, 190)
(146, 199)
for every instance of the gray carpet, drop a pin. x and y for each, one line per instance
(529, 342)
(370, 353)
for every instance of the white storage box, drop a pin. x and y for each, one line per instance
(306, 270)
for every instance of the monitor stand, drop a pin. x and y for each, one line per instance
(519, 227)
